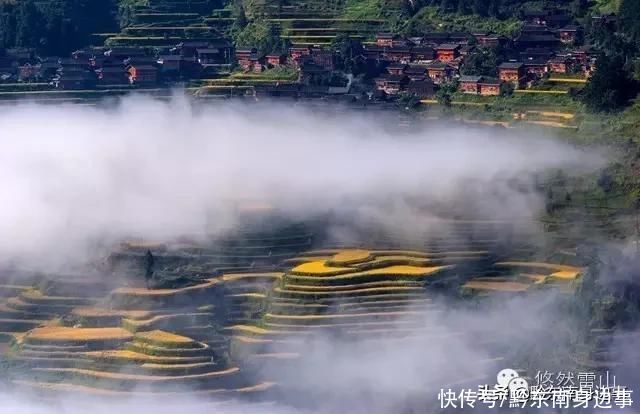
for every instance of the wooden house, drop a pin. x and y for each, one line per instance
(143, 75)
(489, 87)
(536, 68)
(112, 75)
(439, 72)
(447, 52)
(396, 68)
(570, 34)
(391, 84)
(469, 84)
(559, 64)
(210, 56)
(512, 72)
(398, 54)
(276, 59)
(417, 72)
(323, 58)
(298, 52)
(422, 89)
(388, 40)
(424, 54)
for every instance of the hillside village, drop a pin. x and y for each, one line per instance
(363, 61)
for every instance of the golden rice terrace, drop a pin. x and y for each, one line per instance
(230, 324)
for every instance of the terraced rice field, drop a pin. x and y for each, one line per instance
(214, 336)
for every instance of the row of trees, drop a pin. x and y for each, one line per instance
(55, 27)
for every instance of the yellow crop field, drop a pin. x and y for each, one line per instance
(132, 356)
(251, 340)
(541, 265)
(149, 378)
(564, 115)
(319, 268)
(250, 329)
(534, 277)
(566, 274)
(395, 260)
(498, 286)
(404, 253)
(62, 388)
(352, 291)
(350, 256)
(58, 333)
(305, 259)
(241, 276)
(97, 312)
(343, 324)
(341, 316)
(164, 337)
(144, 292)
(389, 283)
(249, 295)
(390, 271)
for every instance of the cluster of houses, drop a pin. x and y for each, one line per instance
(117, 66)
(547, 43)
(417, 65)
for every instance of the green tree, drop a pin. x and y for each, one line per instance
(629, 15)
(29, 25)
(261, 35)
(480, 62)
(408, 101)
(445, 93)
(611, 87)
(7, 25)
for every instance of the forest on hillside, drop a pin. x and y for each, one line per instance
(56, 27)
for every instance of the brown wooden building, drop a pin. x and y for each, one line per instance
(439, 72)
(391, 84)
(512, 72)
(489, 87)
(276, 59)
(145, 75)
(469, 84)
(447, 52)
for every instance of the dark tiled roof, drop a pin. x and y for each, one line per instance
(437, 65)
(510, 65)
(416, 69)
(470, 78)
(541, 38)
(424, 87)
(398, 50)
(489, 81)
(393, 78)
(448, 46)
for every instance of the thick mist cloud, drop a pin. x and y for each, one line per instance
(72, 176)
